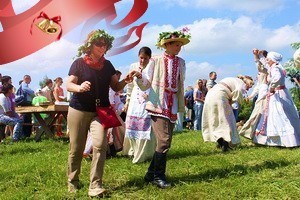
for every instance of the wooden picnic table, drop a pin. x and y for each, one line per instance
(53, 111)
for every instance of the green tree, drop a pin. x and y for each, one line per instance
(42, 82)
(295, 93)
(245, 110)
(294, 75)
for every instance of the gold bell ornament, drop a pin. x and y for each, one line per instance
(47, 26)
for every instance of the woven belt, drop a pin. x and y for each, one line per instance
(224, 84)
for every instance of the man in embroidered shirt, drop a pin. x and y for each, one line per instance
(166, 98)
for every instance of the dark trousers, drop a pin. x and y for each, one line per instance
(163, 131)
(27, 118)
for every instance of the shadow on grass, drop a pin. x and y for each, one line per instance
(176, 154)
(210, 175)
(236, 170)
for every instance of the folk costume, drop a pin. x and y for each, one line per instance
(165, 79)
(218, 121)
(261, 90)
(138, 122)
(279, 125)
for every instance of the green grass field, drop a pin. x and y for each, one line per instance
(37, 170)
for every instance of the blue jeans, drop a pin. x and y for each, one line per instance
(13, 121)
(198, 108)
(236, 114)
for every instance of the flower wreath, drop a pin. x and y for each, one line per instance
(92, 37)
(165, 37)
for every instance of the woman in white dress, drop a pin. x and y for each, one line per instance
(261, 90)
(218, 121)
(138, 134)
(279, 124)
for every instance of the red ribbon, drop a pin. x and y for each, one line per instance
(56, 19)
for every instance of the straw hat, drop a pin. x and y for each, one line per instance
(176, 36)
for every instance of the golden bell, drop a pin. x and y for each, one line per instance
(47, 26)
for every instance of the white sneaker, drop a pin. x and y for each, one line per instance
(72, 188)
(97, 192)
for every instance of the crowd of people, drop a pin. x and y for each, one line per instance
(12, 122)
(154, 97)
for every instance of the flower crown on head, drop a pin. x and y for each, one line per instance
(94, 36)
(169, 36)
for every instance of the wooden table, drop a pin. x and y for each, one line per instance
(54, 111)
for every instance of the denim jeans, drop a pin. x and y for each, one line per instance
(13, 121)
(198, 108)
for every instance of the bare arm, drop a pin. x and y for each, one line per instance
(72, 85)
(117, 85)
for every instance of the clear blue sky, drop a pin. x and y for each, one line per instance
(224, 32)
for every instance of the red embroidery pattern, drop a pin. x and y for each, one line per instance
(167, 72)
(137, 123)
(167, 113)
(266, 110)
(174, 70)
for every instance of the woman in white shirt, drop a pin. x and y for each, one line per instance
(7, 116)
(199, 95)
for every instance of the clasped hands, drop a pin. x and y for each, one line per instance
(129, 77)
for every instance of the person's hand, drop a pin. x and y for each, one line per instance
(145, 96)
(272, 90)
(128, 78)
(136, 73)
(85, 86)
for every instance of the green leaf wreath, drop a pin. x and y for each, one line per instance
(94, 36)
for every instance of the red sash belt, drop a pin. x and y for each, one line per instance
(170, 98)
(280, 87)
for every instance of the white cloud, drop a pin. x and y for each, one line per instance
(219, 36)
(211, 37)
(195, 70)
(53, 60)
(250, 6)
(214, 37)
(283, 36)
(202, 70)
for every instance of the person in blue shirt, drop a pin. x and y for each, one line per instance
(30, 95)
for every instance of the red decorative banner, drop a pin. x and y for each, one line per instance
(16, 41)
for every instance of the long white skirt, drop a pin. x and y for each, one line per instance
(218, 120)
(280, 124)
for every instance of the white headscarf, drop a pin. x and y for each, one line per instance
(275, 57)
